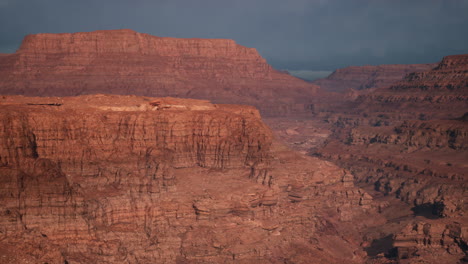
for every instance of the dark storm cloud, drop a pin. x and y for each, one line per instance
(294, 34)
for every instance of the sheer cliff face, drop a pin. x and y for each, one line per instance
(127, 62)
(101, 132)
(112, 179)
(367, 77)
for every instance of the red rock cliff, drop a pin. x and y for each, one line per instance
(111, 179)
(127, 62)
(418, 118)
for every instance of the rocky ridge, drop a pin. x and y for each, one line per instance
(127, 62)
(368, 77)
(444, 88)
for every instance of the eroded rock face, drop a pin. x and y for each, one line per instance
(448, 76)
(226, 139)
(406, 141)
(425, 240)
(410, 139)
(440, 93)
(368, 77)
(431, 134)
(125, 179)
(127, 62)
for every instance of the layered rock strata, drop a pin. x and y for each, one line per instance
(127, 62)
(124, 179)
(440, 93)
(413, 129)
(429, 241)
(368, 77)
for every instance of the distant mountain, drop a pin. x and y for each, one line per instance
(127, 62)
(366, 77)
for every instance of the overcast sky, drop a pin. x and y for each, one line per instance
(290, 34)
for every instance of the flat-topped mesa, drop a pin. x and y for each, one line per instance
(129, 41)
(183, 132)
(127, 62)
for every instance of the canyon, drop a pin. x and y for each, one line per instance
(110, 164)
(409, 141)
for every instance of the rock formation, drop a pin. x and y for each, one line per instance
(127, 62)
(368, 77)
(441, 93)
(431, 241)
(126, 179)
